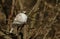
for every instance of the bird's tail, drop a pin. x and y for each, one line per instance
(11, 30)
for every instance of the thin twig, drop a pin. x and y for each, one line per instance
(10, 16)
(35, 7)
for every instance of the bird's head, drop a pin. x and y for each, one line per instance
(24, 12)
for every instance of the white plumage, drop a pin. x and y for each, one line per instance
(20, 18)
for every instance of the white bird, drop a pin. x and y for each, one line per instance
(20, 18)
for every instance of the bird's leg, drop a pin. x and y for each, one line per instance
(19, 28)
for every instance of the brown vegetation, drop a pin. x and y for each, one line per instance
(43, 19)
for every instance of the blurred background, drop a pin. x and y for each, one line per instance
(43, 19)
